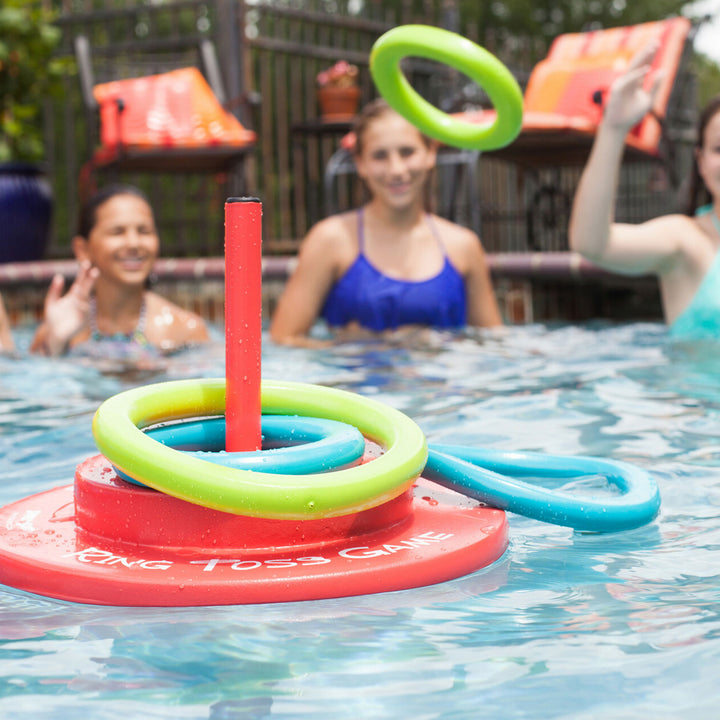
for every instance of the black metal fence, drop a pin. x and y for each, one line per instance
(272, 51)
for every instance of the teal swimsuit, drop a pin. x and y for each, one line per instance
(701, 318)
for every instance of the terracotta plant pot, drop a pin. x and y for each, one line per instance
(338, 104)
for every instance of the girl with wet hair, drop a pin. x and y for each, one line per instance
(390, 264)
(682, 249)
(109, 304)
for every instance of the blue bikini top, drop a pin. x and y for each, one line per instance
(378, 302)
(701, 318)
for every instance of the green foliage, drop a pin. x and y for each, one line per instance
(707, 72)
(29, 74)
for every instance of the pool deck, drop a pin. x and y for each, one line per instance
(529, 287)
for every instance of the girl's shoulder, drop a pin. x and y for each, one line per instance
(172, 323)
(462, 245)
(334, 238)
(689, 234)
(451, 232)
(341, 225)
(157, 304)
(673, 223)
(459, 242)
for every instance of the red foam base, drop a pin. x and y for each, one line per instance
(113, 543)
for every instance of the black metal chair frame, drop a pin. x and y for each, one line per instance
(454, 168)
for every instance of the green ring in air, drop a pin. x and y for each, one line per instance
(451, 49)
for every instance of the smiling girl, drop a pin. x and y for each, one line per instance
(683, 250)
(390, 264)
(116, 247)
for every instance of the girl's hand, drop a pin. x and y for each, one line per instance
(629, 101)
(66, 315)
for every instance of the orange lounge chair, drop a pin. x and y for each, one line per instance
(171, 110)
(162, 123)
(563, 102)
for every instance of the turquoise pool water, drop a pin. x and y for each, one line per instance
(565, 625)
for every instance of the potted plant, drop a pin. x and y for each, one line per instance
(338, 92)
(29, 74)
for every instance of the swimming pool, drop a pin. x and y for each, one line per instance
(565, 625)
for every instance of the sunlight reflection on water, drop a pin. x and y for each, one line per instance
(565, 625)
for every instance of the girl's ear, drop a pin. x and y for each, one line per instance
(80, 248)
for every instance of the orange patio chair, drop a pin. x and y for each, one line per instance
(563, 107)
(168, 122)
(563, 102)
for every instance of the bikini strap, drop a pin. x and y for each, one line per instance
(138, 334)
(361, 230)
(428, 219)
(436, 233)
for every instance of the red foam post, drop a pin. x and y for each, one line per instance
(243, 323)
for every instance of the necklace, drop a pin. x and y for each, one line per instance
(137, 336)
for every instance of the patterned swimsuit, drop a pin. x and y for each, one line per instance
(131, 346)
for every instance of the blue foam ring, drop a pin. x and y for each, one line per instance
(491, 476)
(303, 445)
(291, 444)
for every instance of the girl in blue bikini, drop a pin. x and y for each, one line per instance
(681, 249)
(390, 264)
(108, 304)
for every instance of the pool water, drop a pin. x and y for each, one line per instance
(565, 625)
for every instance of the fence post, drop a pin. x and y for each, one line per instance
(450, 16)
(229, 47)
